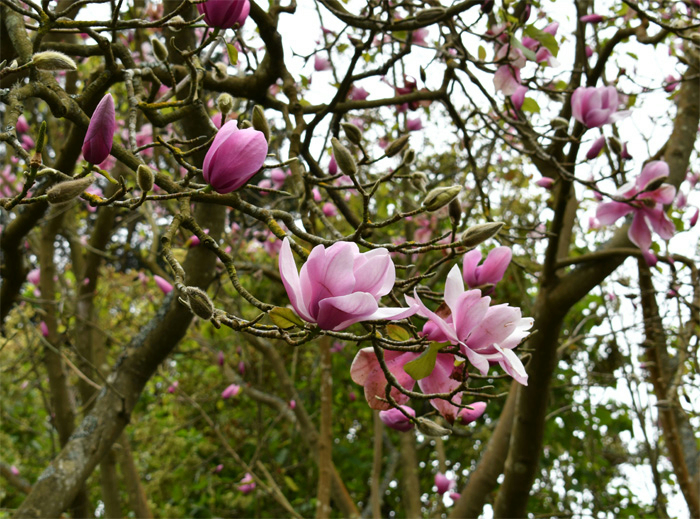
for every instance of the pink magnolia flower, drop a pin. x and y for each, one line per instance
(218, 468)
(321, 63)
(595, 148)
(165, 287)
(367, 372)
(646, 204)
(14, 470)
(518, 97)
(490, 272)
(34, 276)
(397, 420)
(173, 387)
(595, 107)
(418, 36)
(357, 93)
(100, 133)
(27, 142)
(247, 484)
(44, 329)
(413, 125)
(230, 391)
(589, 51)
(444, 483)
(329, 210)
(220, 358)
(339, 286)
(694, 218)
(467, 416)
(316, 194)
(483, 333)
(455, 496)
(545, 182)
(507, 79)
(292, 404)
(670, 86)
(234, 157)
(224, 13)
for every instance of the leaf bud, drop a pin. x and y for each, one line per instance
(225, 104)
(352, 132)
(343, 157)
(480, 233)
(176, 23)
(145, 178)
(421, 73)
(615, 145)
(695, 37)
(430, 15)
(68, 190)
(245, 124)
(221, 70)
(200, 304)
(260, 123)
(440, 197)
(160, 51)
(559, 122)
(419, 180)
(409, 156)
(430, 428)
(455, 210)
(396, 146)
(53, 60)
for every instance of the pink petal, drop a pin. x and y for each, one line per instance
(337, 313)
(639, 233)
(290, 279)
(610, 212)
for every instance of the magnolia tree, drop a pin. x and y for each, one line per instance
(222, 221)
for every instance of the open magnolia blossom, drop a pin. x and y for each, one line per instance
(338, 286)
(490, 272)
(484, 333)
(646, 201)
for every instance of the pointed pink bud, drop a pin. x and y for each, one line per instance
(241, 367)
(292, 404)
(545, 182)
(220, 358)
(224, 14)
(596, 148)
(455, 496)
(592, 18)
(443, 483)
(100, 133)
(332, 166)
(467, 416)
(218, 468)
(22, 125)
(397, 420)
(234, 157)
(518, 97)
(14, 470)
(165, 287)
(589, 51)
(694, 218)
(321, 63)
(44, 329)
(230, 391)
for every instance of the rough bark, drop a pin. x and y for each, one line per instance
(678, 434)
(110, 487)
(132, 480)
(410, 485)
(375, 492)
(325, 444)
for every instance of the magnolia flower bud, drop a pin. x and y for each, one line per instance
(559, 122)
(260, 123)
(419, 180)
(67, 191)
(246, 124)
(224, 103)
(221, 70)
(430, 428)
(430, 15)
(396, 146)
(409, 156)
(53, 60)
(200, 304)
(455, 210)
(160, 51)
(440, 197)
(695, 37)
(176, 23)
(480, 233)
(421, 73)
(615, 145)
(343, 157)
(352, 132)
(144, 178)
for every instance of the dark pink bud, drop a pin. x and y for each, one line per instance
(218, 468)
(545, 182)
(413, 125)
(397, 420)
(455, 496)
(292, 404)
(321, 63)
(670, 86)
(596, 148)
(694, 218)
(332, 166)
(241, 367)
(352, 396)
(173, 387)
(518, 98)
(592, 18)
(44, 329)
(224, 14)
(220, 358)
(589, 51)
(100, 133)
(234, 157)
(624, 153)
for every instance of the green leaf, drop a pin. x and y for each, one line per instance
(546, 39)
(397, 333)
(515, 42)
(232, 53)
(482, 53)
(290, 483)
(530, 105)
(423, 365)
(285, 318)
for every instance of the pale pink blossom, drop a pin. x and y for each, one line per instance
(247, 484)
(595, 107)
(321, 63)
(397, 420)
(230, 391)
(467, 416)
